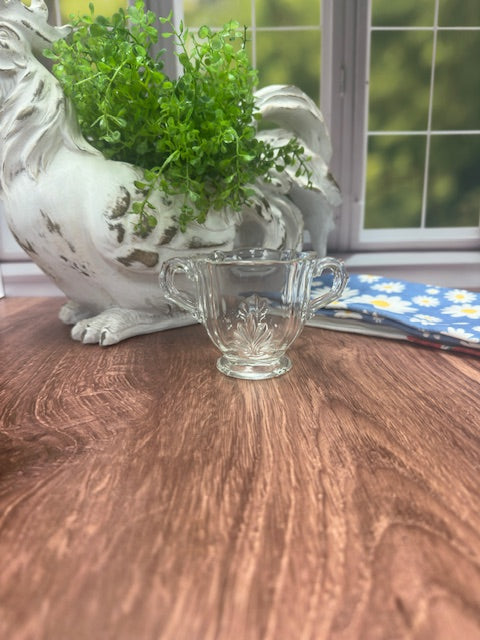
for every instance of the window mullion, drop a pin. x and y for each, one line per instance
(163, 8)
(345, 106)
(423, 218)
(54, 11)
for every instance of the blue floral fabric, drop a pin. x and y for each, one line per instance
(426, 314)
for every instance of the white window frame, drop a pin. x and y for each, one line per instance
(449, 256)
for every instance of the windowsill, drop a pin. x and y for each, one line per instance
(25, 279)
(458, 269)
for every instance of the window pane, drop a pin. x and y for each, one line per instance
(400, 68)
(456, 102)
(80, 7)
(215, 13)
(268, 13)
(404, 13)
(455, 13)
(280, 13)
(454, 189)
(291, 57)
(394, 181)
(290, 54)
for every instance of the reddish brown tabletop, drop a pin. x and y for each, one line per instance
(145, 496)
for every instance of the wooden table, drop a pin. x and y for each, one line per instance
(144, 495)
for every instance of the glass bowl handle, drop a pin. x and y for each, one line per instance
(340, 279)
(167, 276)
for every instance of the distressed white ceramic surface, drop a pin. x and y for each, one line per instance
(70, 209)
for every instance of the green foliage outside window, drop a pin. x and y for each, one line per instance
(80, 7)
(400, 75)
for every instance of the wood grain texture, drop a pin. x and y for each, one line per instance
(143, 495)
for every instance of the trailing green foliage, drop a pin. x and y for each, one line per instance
(194, 135)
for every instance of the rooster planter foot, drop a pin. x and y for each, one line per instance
(70, 208)
(116, 324)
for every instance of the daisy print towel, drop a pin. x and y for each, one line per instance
(430, 315)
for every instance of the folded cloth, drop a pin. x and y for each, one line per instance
(433, 316)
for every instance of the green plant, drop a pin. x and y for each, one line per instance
(195, 135)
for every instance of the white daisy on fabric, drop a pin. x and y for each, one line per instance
(464, 310)
(347, 293)
(389, 287)
(318, 290)
(377, 318)
(366, 277)
(461, 334)
(460, 295)
(432, 291)
(426, 301)
(343, 301)
(348, 314)
(424, 319)
(476, 329)
(394, 304)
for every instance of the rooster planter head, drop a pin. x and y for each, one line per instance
(70, 208)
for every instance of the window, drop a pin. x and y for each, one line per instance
(414, 102)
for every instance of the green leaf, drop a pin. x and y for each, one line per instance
(229, 136)
(216, 43)
(184, 59)
(204, 32)
(167, 19)
(112, 137)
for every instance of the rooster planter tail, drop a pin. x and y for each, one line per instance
(70, 208)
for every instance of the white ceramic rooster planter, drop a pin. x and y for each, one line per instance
(69, 208)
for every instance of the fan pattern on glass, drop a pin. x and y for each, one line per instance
(252, 335)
